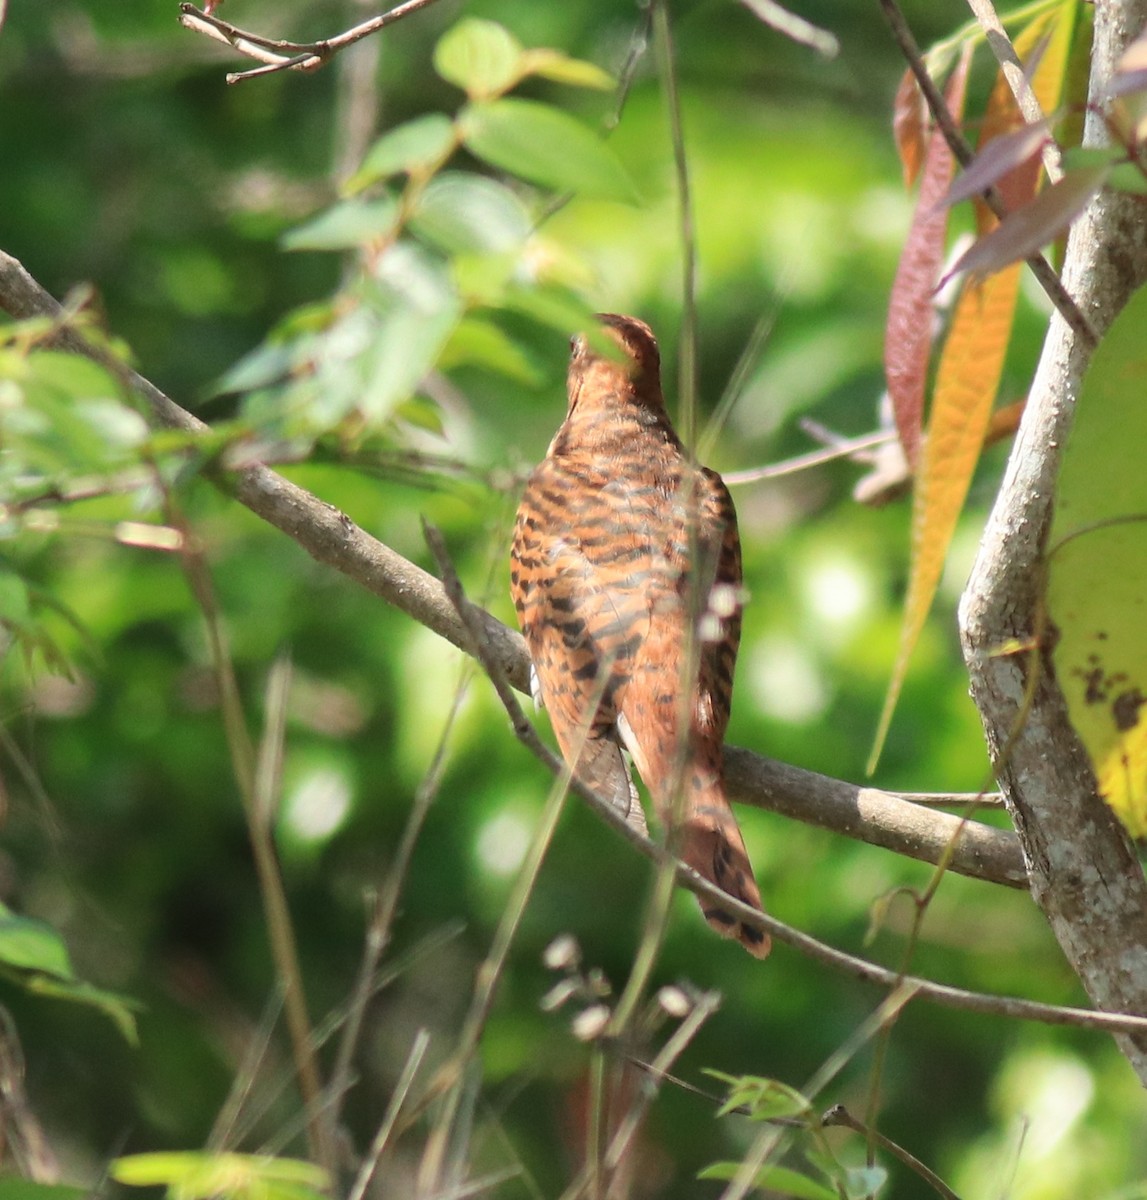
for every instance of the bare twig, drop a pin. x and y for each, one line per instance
(840, 1116)
(390, 1117)
(1041, 269)
(850, 448)
(451, 1078)
(386, 905)
(257, 778)
(703, 1008)
(1013, 71)
(20, 1131)
(686, 231)
(279, 55)
(794, 27)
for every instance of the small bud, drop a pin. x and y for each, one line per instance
(596, 983)
(562, 954)
(558, 995)
(674, 1002)
(590, 1023)
(724, 599)
(710, 628)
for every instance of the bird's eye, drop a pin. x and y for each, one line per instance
(577, 345)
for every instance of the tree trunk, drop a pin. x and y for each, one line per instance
(1084, 872)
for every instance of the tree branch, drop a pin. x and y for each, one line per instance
(332, 538)
(1084, 873)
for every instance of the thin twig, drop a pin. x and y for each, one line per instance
(333, 539)
(257, 793)
(814, 458)
(795, 28)
(20, 1128)
(386, 903)
(838, 1115)
(280, 55)
(687, 348)
(390, 1117)
(1017, 78)
(1041, 269)
(223, 1129)
(450, 1079)
(703, 1008)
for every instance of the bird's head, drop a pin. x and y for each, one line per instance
(602, 375)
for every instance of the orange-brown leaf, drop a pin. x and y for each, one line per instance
(910, 126)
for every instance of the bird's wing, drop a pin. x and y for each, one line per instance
(582, 630)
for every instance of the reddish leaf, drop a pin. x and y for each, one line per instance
(908, 333)
(998, 157)
(1026, 229)
(909, 125)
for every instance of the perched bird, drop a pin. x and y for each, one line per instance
(626, 576)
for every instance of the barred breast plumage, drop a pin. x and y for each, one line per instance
(626, 577)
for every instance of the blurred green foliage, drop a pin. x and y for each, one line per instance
(208, 220)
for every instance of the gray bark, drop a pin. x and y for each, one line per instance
(1084, 873)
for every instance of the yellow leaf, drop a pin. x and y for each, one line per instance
(1097, 568)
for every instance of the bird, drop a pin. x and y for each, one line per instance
(625, 573)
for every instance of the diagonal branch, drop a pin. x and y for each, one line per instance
(332, 538)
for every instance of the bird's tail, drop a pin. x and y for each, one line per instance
(711, 843)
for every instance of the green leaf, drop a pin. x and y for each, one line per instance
(780, 1181)
(1097, 567)
(865, 1181)
(31, 945)
(1083, 158)
(344, 226)
(416, 308)
(71, 375)
(422, 414)
(119, 1009)
(34, 956)
(566, 313)
(483, 278)
(191, 1175)
(465, 213)
(15, 607)
(481, 343)
(1128, 177)
(12, 1188)
(543, 145)
(266, 364)
(481, 57)
(560, 68)
(413, 148)
(766, 1099)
